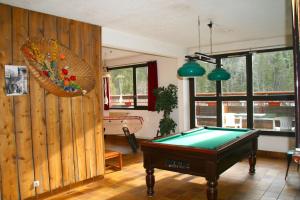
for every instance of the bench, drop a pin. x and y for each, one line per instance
(109, 155)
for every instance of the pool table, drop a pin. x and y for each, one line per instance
(206, 152)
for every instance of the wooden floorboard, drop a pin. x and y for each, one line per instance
(235, 184)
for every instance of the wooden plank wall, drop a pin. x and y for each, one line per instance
(57, 141)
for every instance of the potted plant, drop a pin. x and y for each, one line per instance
(166, 101)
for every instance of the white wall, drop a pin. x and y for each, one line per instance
(275, 143)
(167, 74)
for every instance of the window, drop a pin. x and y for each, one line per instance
(129, 87)
(236, 85)
(234, 114)
(273, 73)
(206, 113)
(203, 86)
(260, 93)
(274, 115)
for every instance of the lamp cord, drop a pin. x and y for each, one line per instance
(199, 34)
(210, 27)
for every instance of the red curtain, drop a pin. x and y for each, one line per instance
(106, 93)
(152, 84)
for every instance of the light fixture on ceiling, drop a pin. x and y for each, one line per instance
(193, 69)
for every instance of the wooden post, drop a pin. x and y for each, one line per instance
(295, 9)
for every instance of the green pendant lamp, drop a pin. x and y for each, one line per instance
(218, 74)
(191, 69)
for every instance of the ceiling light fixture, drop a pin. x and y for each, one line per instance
(193, 69)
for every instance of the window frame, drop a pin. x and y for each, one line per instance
(134, 67)
(250, 98)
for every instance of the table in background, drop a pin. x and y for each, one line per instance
(257, 116)
(114, 125)
(205, 152)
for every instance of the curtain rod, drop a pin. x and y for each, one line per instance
(129, 64)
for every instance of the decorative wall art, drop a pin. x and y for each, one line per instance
(16, 80)
(57, 69)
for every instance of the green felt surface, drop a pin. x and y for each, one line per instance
(206, 138)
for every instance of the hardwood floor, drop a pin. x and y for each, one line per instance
(235, 184)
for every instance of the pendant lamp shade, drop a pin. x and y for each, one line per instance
(218, 74)
(191, 69)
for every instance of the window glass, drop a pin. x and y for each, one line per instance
(273, 73)
(237, 84)
(274, 115)
(206, 113)
(234, 114)
(142, 86)
(121, 88)
(203, 86)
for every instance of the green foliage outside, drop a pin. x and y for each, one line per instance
(236, 66)
(202, 84)
(273, 71)
(166, 101)
(142, 80)
(122, 81)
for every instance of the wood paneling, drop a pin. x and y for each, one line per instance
(0, 184)
(65, 120)
(88, 112)
(77, 114)
(52, 119)
(56, 141)
(7, 135)
(38, 121)
(22, 109)
(98, 103)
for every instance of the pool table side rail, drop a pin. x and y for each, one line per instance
(172, 135)
(252, 134)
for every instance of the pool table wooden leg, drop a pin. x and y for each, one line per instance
(150, 180)
(252, 163)
(212, 191)
(252, 157)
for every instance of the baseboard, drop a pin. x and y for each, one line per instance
(65, 188)
(122, 138)
(271, 154)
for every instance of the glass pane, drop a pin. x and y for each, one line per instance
(274, 115)
(273, 73)
(206, 113)
(237, 84)
(142, 86)
(234, 114)
(121, 88)
(203, 86)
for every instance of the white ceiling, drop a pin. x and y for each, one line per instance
(175, 21)
(111, 53)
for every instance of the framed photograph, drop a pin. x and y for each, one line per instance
(16, 80)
